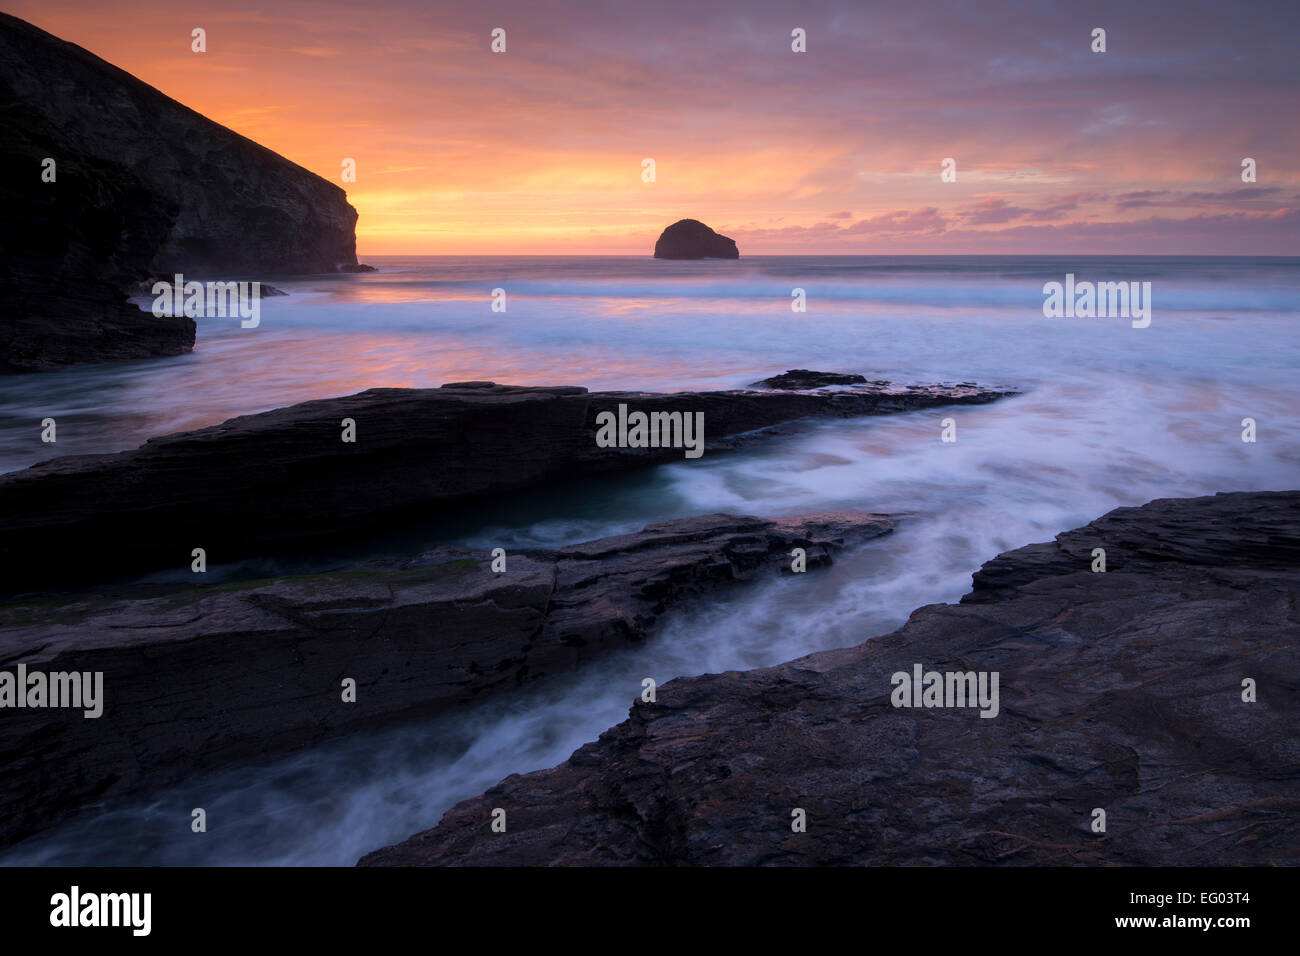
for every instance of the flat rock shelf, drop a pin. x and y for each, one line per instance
(285, 480)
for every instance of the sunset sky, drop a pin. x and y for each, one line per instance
(836, 150)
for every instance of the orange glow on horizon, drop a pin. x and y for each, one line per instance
(539, 150)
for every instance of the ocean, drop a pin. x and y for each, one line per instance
(1110, 415)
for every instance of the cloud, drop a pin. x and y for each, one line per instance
(1171, 197)
(1244, 232)
(901, 222)
(988, 211)
(536, 147)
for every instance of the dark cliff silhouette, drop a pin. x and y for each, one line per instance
(142, 186)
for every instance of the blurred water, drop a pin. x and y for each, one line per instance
(1110, 416)
(622, 321)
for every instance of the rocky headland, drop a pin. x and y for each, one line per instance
(140, 186)
(1163, 692)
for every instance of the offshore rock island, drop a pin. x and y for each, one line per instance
(692, 239)
(911, 541)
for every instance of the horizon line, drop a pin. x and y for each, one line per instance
(838, 255)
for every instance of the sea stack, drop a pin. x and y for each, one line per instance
(106, 182)
(692, 239)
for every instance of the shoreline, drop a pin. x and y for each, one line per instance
(1157, 692)
(1087, 660)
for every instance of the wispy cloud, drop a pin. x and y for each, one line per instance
(460, 149)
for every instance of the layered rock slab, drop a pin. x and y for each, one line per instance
(1120, 691)
(285, 480)
(199, 677)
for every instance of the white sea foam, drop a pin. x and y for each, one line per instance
(1110, 416)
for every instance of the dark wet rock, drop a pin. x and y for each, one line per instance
(1119, 690)
(1223, 531)
(806, 378)
(285, 481)
(143, 186)
(692, 239)
(200, 676)
(360, 267)
(70, 252)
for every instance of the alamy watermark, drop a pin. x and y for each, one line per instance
(209, 300)
(84, 690)
(923, 688)
(1100, 300)
(651, 430)
(77, 909)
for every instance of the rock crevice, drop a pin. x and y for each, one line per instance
(197, 677)
(1121, 691)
